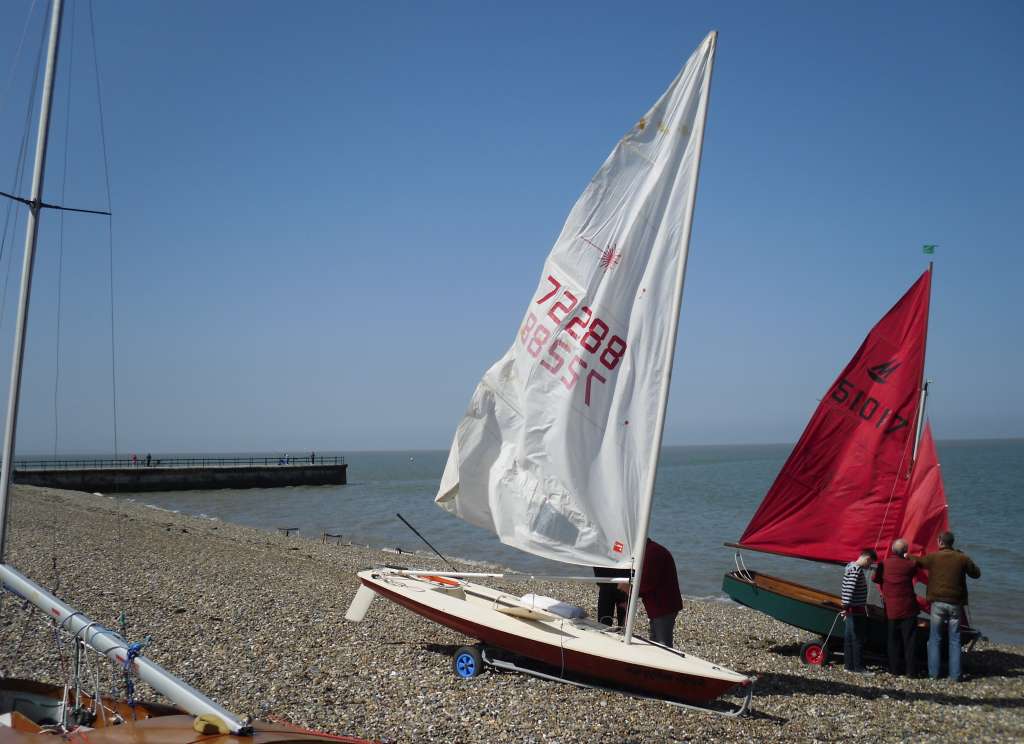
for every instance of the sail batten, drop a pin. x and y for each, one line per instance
(552, 454)
(844, 486)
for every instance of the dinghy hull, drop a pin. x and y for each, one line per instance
(577, 648)
(27, 706)
(818, 612)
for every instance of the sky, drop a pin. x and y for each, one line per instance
(329, 217)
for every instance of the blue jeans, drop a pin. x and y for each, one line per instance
(855, 630)
(944, 613)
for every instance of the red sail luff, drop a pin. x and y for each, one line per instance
(926, 512)
(842, 487)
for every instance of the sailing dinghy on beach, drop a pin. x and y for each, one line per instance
(864, 473)
(34, 712)
(557, 452)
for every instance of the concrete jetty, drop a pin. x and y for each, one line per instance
(184, 474)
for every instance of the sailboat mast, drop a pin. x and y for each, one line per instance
(920, 419)
(31, 234)
(924, 380)
(644, 521)
(101, 640)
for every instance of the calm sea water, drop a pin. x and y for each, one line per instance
(705, 496)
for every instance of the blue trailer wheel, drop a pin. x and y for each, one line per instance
(467, 662)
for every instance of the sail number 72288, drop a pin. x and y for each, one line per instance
(562, 358)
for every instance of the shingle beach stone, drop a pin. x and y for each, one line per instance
(256, 621)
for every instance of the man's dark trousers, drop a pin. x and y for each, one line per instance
(901, 644)
(854, 633)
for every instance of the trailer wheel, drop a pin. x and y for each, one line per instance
(815, 653)
(467, 662)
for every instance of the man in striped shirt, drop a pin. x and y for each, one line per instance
(854, 597)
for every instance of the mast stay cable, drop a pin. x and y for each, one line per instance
(60, 297)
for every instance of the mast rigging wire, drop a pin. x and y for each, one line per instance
(20, 168)
(60, 297)
(110, 220)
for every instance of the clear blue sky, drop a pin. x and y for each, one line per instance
(330, 216)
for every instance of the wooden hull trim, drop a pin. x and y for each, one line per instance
(817, 611)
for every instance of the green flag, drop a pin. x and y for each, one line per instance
(929, 249)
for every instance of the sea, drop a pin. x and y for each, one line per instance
(705, 496)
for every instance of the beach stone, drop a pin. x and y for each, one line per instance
(259, 627)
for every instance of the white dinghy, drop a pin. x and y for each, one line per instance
(558, 450)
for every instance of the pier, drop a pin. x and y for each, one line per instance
(125, 475)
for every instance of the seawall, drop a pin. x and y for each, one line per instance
(139, 479)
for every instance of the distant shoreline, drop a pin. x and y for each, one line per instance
(425, 450)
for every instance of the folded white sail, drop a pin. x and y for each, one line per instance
(554, 451)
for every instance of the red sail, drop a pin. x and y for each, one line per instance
(926, 512)
(841, 490)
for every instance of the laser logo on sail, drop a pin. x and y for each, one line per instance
(880, 372)
(609, 256)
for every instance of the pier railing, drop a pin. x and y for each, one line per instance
(177, 462)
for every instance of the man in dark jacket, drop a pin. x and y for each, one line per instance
(895, 577)
(948, 570)
(659, 590)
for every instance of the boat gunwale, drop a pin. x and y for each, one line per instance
(698, 687)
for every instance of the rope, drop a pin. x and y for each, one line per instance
(133, 651)
(741, 567)
(892, 491)
(17, 56)
(110, 219)
(829, 634)
(60, 298)
(19, 170)
(110, 269)
(561, 645)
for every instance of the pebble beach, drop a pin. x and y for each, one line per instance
(256, 621)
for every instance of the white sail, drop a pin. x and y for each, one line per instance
(554, 453)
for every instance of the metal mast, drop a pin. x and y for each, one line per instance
(644, 521)
(97, 637)
(925, 382)
(31, 234)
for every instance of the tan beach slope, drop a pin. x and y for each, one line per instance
(255, 620)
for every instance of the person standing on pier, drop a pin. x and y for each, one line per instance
(312, 458)
(149, 458)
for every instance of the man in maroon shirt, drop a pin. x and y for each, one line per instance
(895, 576)
(659, 590)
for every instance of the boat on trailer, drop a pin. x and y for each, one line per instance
(557, 452)
(864, 473)
(33, 712)
(514, 632)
